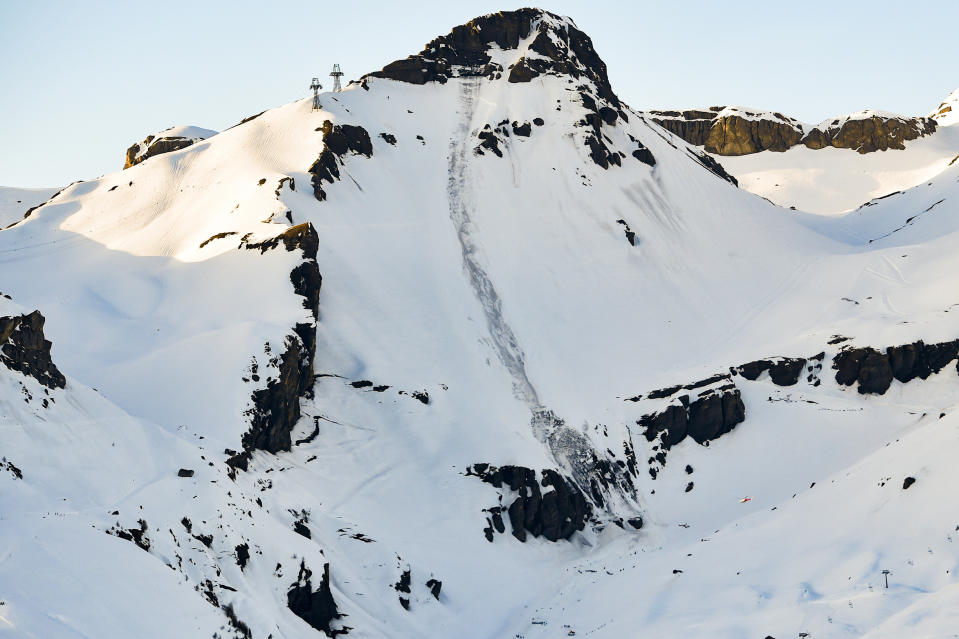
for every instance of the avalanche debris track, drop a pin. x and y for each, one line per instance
(570, 449)
(460, 197)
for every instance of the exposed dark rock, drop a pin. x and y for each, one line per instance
(242, 555)
(874, 371)
(153, 146)
(403, 586)
(522, 129)
(206, 540)
(465, 52)
(389, 138)
(739, 132)
(276, 408)
(733, 133)
(316, 608)
(714, 413)
(644, 155)
(338, 140)
(5, 464)
(218, 236)
(715, 167)
(301, 528)
(538, 121)
(435, 586)
(184, 472)
(239, 628)
(24, 349)
(907, 482)
(866, 135)
(489, 140)
(421, 396)
(555, 514)
(137, 535)
(784, 371)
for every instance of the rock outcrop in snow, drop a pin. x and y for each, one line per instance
(172, 139)
(23, 348)
(733, 131)
(947, 113)
(276, 408)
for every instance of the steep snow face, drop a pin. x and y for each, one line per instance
(510, 262)
(948, 112)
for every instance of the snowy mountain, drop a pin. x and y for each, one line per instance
(476, 350)
(828, 168)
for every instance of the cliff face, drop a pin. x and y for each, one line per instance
(23, 348)
(275, 409)
(737, 131)
(732, 131)
(869, 131)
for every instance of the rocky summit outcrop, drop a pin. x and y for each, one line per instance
(24, 349)
(558, 47)
(868, 131)
(739, 131)
(172, 139)
(552, 45)
(275, 409)
(732, 130)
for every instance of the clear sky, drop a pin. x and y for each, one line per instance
(82, 81)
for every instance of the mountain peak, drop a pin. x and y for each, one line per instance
(522, 44)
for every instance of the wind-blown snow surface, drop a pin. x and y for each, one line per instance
(834, 181)
(14, 203)
(502, 287)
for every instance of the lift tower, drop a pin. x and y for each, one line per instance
(316, 86)
(336, 74)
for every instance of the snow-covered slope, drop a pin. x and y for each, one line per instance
(172, 139)
(829, 168)
(455, 435)
(14, 203)
(834, 181)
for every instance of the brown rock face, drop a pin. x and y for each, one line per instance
(154, 146)
(729, 133)
(739, 136)
(24, 349)
(732, 131)
(876, 133)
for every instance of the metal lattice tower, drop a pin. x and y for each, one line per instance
(336, 74)
(316, 86)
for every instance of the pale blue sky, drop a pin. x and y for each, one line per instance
(80, 82)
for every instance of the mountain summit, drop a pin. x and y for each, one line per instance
(475, 349)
